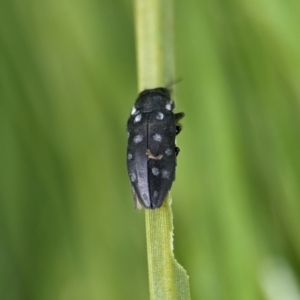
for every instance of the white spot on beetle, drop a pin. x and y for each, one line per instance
(137, 118)
(155, 194)
(168, 152)
(155, 171)
(157, 137)
(133, 111)
(132, 177)
(138, 138)
(129, 156)
(169, 105)
(159, 116)
(165, 174)
(145, 197)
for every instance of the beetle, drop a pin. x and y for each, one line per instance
(151, 151)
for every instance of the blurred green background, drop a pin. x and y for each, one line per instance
(68, 80)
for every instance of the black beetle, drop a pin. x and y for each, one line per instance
(151, 152)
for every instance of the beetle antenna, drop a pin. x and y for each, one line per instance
(173, 82)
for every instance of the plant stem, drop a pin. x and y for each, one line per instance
(155, 52)
(155, 55)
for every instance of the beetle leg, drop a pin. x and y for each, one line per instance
(179, 116)
(177, 150)
(178, 129)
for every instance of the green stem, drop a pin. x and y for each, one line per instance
(155, 52)
(167, 279)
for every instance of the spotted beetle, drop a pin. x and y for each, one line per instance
(151, 152)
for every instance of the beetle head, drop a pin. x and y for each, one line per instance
(154, 99)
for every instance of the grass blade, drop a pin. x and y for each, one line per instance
(155, 55)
